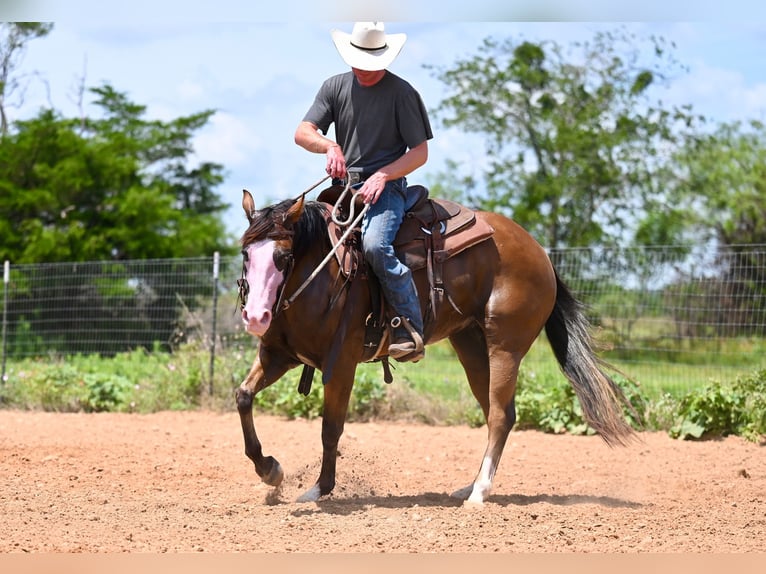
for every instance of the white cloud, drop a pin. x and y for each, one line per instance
(190, 91)
(722, 94)
(227, 139)
(755, 102)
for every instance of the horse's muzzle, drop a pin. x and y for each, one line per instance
(257, 324)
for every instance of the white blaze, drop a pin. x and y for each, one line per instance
(263, 279)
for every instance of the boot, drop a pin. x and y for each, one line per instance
(407, 345)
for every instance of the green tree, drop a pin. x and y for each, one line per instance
(721, 183)
(14, 37)
(119, 186)
(575, 147)
(102, 189)
(721, 192)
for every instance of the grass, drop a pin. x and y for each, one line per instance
(441, 375)
(434, 391)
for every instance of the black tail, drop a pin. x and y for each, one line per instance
(602, 401)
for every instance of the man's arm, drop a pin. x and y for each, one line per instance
(409, 162)
(308, 137)
(401, 167)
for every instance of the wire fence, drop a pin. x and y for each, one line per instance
(664, 308)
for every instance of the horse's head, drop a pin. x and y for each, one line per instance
(267, 252)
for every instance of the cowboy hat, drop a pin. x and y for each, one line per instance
(368, 47)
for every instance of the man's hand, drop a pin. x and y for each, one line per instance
(373, 187)
(336, 162)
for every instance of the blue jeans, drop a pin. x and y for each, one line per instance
(379, 227)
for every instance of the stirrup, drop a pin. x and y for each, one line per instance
(413, 355)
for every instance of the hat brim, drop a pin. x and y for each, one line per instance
(372, 60)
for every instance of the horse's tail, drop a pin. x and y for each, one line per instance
(602, 401)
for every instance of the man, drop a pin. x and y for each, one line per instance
(382, 126)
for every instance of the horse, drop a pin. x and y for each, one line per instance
(503, 292)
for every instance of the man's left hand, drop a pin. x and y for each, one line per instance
(373, 187)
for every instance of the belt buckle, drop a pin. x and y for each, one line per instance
(354, 177)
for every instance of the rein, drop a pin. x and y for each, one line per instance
(289, 301)
(282, 303)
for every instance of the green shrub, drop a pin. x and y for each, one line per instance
(283, 398)
(551, 405)
(105, 392)
(141, 381)
(719, 410)
(548, 404)
(369, 397)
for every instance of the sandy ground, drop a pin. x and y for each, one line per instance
(179, 482)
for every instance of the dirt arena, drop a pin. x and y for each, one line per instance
(180, 483)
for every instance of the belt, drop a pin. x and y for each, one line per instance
(352, 178)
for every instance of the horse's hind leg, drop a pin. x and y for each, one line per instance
(471, 348)
(493, 381)
(504, 369)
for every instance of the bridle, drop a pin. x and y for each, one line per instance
(243, 287)
(280, 233)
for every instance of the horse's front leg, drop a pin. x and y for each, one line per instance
(267, 467)
(337, 393)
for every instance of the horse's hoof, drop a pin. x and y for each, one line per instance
(471, 495)
(473, 502)
(275, 475)
(463, 493)
(311, 495)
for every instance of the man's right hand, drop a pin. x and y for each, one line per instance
(336, 162)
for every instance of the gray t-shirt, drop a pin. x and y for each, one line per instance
(376, 124)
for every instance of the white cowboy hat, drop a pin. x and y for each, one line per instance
(368, 47)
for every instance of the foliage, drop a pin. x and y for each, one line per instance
(551, 405)
(575, 147)
(129, 382)
(721, 182)
(368, 399)
(117, 186)
(284, 399)
(113, 185)
(147, 382)
(719, 410)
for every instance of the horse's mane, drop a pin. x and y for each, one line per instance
(310, 228)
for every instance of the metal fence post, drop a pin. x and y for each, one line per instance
(216, 267)
(6, 280)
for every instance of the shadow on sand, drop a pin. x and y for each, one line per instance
(344, 506)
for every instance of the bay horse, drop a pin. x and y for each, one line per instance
(503, 291)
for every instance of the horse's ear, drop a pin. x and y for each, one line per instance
(248, 204)
(294, 213)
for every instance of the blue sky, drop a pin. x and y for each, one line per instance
(260, 71)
